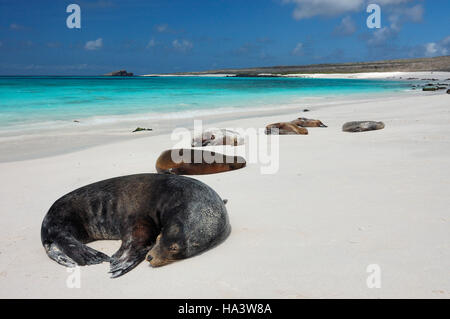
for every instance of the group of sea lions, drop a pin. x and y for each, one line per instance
(160, 217)
(299, 126)
(295, 127)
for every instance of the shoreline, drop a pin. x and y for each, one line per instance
(397, 75)
(72, 137)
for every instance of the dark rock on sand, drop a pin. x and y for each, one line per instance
(448, 91)
(430, 88)
(119, 73)
(140, 129)
(305, 110)
(362, 126)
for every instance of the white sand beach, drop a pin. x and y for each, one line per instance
(399, 75)
(440, 76)
(338, 203)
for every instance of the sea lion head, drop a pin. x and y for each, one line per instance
(188, 236)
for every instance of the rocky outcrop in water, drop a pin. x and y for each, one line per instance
(119, 73)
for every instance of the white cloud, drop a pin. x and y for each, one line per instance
(298, 50)
(162, 28)
(309, 8)
(380, 36)
(391, 2)
(431, 49)
(305, 9)
(151, 43)
(446, 40)
(415, 13)
(346, 27)
(94, 44)
(398, 16)
(438, 48)
(15, 26)
(182, 45)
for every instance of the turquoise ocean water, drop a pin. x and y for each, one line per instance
(28, 101)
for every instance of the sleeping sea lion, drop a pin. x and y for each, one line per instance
(163, 217)
(217, 137)
(362, 126)
(285, 128)
(196, 162)
(304, 122)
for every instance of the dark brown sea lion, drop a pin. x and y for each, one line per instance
(158, 217)
(196, 162)
(285, 128)
(304, 122)
(362, 126)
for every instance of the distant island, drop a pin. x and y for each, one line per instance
(402, 65)
(119, 73)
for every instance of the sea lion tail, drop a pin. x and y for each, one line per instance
(225, 201)
(68, 251)
(57, 255)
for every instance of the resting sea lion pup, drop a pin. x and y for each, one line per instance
(218, 137)
(173, 217)
(196, 162)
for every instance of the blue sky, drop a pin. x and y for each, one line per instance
(163, 36)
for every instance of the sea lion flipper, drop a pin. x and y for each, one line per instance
(57, 255)
(125, 259)
(73, 250)
(133, 250)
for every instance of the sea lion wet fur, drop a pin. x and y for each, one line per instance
(172, 217)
